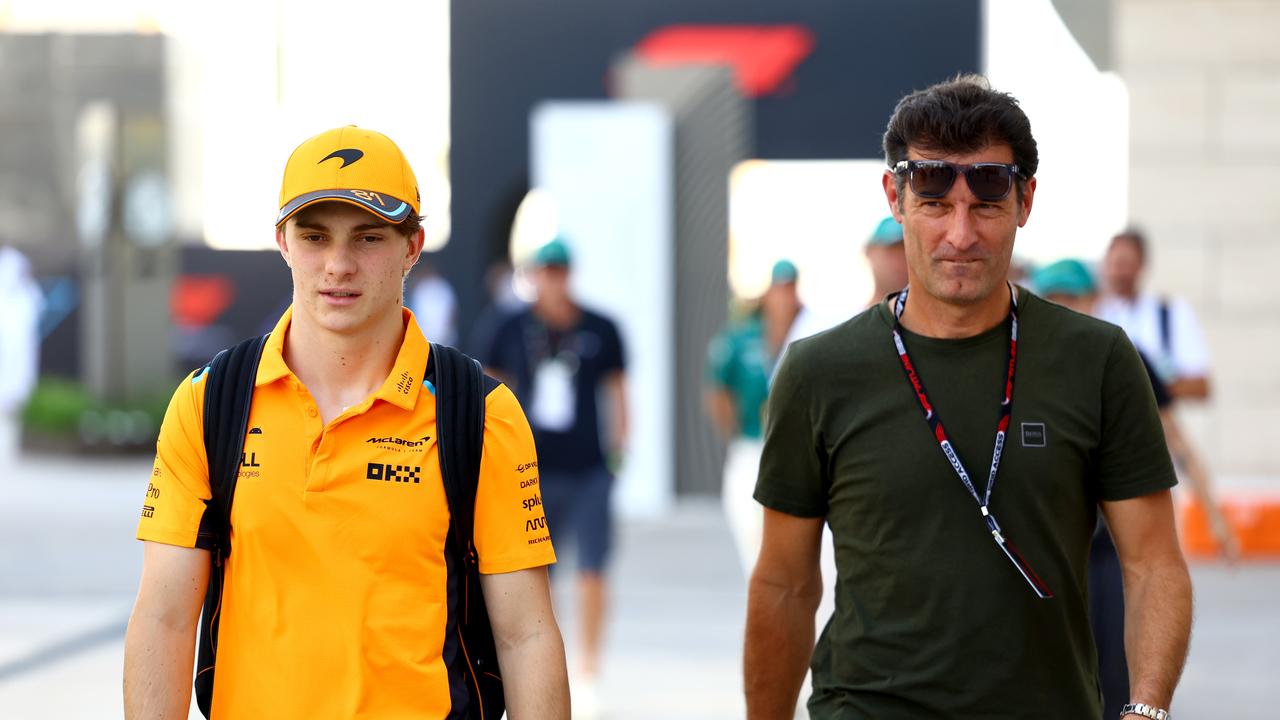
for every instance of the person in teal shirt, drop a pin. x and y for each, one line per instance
(740, 361)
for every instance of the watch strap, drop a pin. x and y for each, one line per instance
(1145, 710)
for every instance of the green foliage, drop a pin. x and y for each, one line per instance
(56, 405)
(64, 408)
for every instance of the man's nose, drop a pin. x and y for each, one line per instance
(961, 232)
(340, 260)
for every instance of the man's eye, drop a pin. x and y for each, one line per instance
(313, 238)
(371, 238)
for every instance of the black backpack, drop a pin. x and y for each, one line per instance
(460, 390)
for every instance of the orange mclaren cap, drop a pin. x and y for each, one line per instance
(351, 165)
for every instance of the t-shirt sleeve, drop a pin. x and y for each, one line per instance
(613, 355)
(792, 479)
(175, 498)
(510, 527)
(1190, 354)
(1133, 459)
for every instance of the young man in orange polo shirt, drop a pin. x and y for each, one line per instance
(338, 591)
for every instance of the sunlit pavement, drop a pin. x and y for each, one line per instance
(69, 568)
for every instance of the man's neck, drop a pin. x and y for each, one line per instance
(557, 314)
(931, 317)
(342, 370)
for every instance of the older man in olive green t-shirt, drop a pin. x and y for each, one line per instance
(959, 439)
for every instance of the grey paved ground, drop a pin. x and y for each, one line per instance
(69, 566)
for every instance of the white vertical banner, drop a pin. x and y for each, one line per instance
(608, 167)
(1080, 119)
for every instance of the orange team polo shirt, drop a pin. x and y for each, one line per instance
(336, 597)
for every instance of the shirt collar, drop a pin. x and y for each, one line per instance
(271, 367)
(401, 386)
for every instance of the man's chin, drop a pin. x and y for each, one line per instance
(962, 291)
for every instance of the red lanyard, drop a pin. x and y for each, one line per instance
(1002, 427)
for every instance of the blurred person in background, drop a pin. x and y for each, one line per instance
(340, 593)
(938, 614)
(1166, 332)
(20, 304)
(740, 361)
(434, 304)
(499, 282)
(887, 259)
(740, 368)
(562, 360)
(1070, 284)
(1164, 329)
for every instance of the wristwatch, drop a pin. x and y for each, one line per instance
(1145, 710)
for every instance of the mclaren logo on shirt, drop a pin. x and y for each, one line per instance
(395, 443)
(399, 441)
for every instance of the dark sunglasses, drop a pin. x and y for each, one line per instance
(989, 181)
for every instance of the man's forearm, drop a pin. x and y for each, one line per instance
(1190, 388)
(1157, 628)
(157, 671)
(779, 644)
(533, 677)
(620, 412)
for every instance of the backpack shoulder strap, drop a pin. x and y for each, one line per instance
(460, 388)
(227, 395)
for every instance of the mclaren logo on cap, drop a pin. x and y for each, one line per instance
(348, 156)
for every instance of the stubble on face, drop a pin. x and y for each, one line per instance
(959, 247)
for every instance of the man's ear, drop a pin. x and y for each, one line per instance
(890, 183)
(1024, 205)
(414, 253)
(284, 246)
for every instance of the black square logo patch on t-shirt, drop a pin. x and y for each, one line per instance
(1033, 434)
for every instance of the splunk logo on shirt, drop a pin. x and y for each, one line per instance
(394, 473)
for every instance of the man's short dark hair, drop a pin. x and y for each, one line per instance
(960, 115)
(410, 225)
(1134, 237)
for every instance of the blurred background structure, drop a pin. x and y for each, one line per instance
(682, 146)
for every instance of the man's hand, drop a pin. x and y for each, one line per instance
(1157, 594)
(159, 646)
(530, 649)
(781, 601)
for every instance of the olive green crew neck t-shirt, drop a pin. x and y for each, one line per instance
(931, 619)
